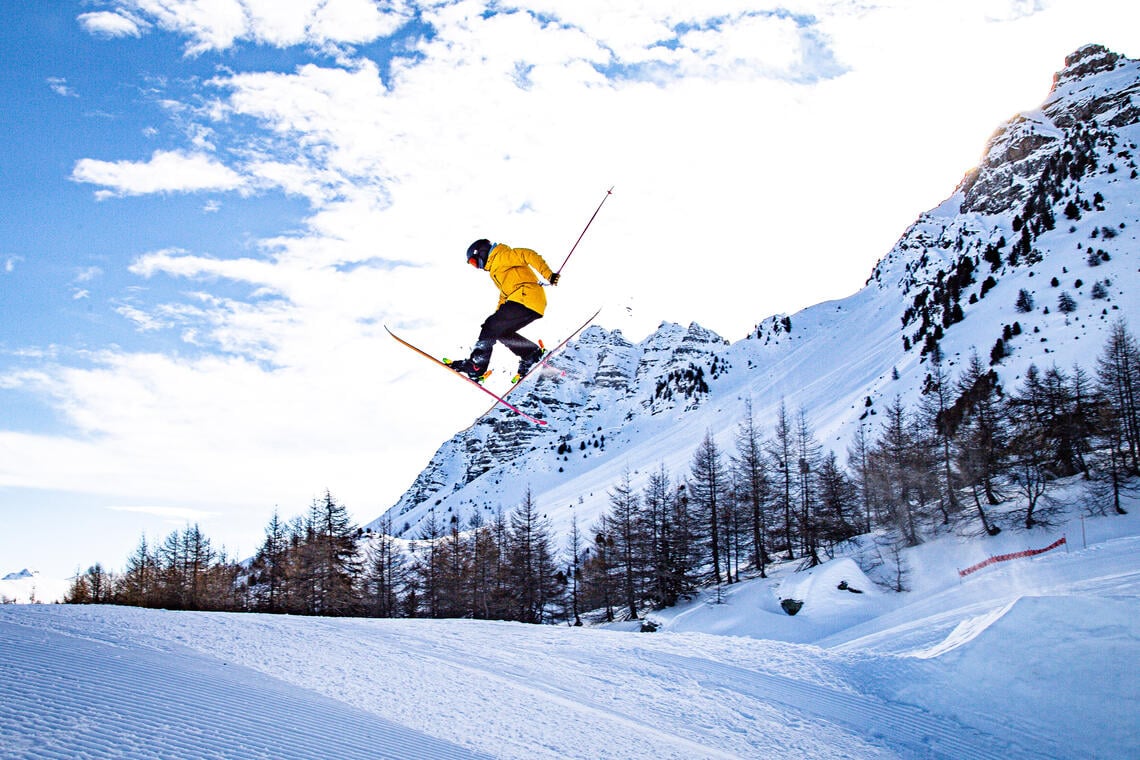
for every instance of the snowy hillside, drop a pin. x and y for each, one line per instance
(1053, 209)
(1029, 658)
(28, 586)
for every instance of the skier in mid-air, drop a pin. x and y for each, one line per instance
(521, 301)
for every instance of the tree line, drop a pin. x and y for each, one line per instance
(965, 448)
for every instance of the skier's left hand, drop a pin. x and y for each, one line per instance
(554, 278)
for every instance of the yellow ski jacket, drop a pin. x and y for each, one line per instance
(512, 271)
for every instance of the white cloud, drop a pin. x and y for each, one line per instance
(166, 171)
(171, 514)
(59, 86)
(111, 24)
(220, 24)
(87, 274)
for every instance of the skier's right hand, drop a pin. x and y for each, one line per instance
(554, 278)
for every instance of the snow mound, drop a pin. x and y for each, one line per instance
(752, 608)
(831, 586)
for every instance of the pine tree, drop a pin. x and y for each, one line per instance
(859, 463)
(531, 562)
(384, 573)
(138, 586)
(626, 522)
(933, 409)
(977, 421)
(781, 453)
(895, 472)
(1031, 414)
(574, 571)
(336, 561)
(708, 489)
(1118, 382)
(599, 570)
(750, 467)
(662, 538)
(455, 569)
(270, 567)
(809, 458)
(427, 566)
(838, 500)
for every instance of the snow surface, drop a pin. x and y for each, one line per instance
(1034, 657)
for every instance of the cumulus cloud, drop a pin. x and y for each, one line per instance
(220, 24)
(111, 24)
(165, 172)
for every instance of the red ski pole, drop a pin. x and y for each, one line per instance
(579, 240)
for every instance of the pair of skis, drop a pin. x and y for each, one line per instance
(502, 399)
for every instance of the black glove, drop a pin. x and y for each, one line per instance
(554, 278)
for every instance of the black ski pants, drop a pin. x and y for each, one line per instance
(503, 326)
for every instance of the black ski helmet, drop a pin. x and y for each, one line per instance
(477, 252)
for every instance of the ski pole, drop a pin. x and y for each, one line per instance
(579, 240)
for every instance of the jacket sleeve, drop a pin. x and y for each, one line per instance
(536, 262)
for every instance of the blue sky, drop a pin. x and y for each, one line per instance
(209, 209)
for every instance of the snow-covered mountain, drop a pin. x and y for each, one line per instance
(1053, 210)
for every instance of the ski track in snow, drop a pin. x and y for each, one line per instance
(525, 692)
(95, 699)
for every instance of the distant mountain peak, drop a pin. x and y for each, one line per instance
(25, 573)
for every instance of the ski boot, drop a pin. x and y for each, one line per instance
(526, 363)
(465, 367)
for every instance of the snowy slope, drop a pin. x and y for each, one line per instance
(623, 407)
(1031, 658)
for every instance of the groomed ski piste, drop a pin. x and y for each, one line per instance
(1034, 657)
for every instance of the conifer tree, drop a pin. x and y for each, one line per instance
(661, 538)
(750, 467)
(384, 573)
(336, 564)
(138, 587)
(808, 457)
(626, 522)
(933, 411)
(781, 452)
(978, 423)
(573, 571)
(270, 567)
(1118, 382)
(896, 473)
(708, 489)
(599, 570)
(531, 562)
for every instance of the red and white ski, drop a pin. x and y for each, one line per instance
(498, 399)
